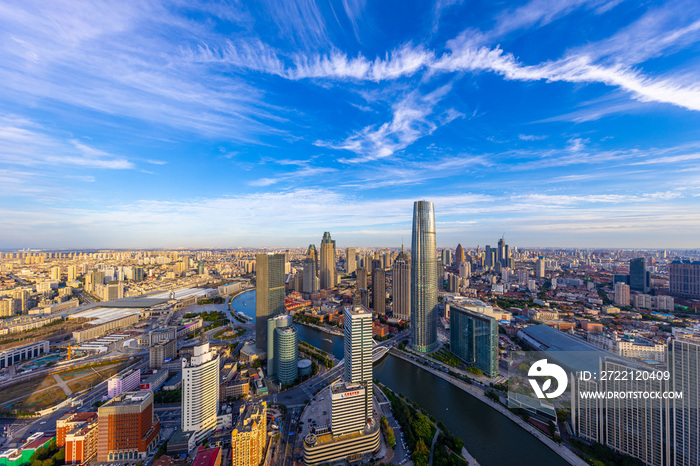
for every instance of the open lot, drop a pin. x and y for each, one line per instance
(43, 392)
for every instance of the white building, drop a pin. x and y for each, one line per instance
(200, 391)
(358, 352)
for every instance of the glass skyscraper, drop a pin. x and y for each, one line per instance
(423, 278)
(269, 293)
(474, 338)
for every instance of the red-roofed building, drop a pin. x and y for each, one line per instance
(207, 457)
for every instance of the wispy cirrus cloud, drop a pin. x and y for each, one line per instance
(412, 118)
(25, 143)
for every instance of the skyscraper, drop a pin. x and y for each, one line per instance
(402, 287)
(327, 271)
(685, 378)
(282, 352)
(361, 273)
(502, 252)
(685, 278)
(459, 255)
(358, 352)
(311, 253)
(248, 438)
(350, 260)
(446, 257)
(488, 257)
(310, 281)
(640, 279)
(423, 278)
(127, 427)
(200, 391)
(474, 334)
(378, 287)
(539, 267)
(269, 293)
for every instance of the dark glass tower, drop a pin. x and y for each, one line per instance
(269, 293)
(423, 278)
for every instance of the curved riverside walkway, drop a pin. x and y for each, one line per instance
(568, 455)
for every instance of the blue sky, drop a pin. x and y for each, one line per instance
(559, 123)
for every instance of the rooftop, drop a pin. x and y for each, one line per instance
(206, 457)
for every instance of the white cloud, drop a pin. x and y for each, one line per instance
(531, 137)
(413, 117)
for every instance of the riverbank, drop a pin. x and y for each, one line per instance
(336, 333)
(566, 454)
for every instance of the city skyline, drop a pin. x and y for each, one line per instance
(565, 124)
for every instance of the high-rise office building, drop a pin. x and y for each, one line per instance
(401, 289)
(200, 391)
(72, 273)
(488, 257)
(161, 352)
(423, 278)
(685, 378)
(502, 252)
(249, 437)
(446, 257)
(684, 278)
(640, 278)
(55, 273)
(465, 269)
(350, 260)
(622, 294)
(282, 351)
(127, 427)
(358, 352)
(327, 270)
(310, 281)
(459, 255)
(312, 253)
(361, 273)
(474, 334)
(539, 267)
(378, 288)
(347, 408)
(269, 294)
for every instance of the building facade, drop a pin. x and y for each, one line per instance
(684, 277)
(358, 352)
(200, 391)
(128, 429)
(269, 294)
(401, 288)
(327, 270)
(378, 288)
(474, 337)
(424, 312)
(248, 438)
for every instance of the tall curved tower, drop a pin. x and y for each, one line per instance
(423, 278)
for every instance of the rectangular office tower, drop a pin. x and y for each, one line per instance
(685, 278)
(350, 260)
(347, 408)
(200, 391)
(378, 288)
(327, 271)
(685, 376)
(248, 437)
(640, 279)
(358, 352)
(127, 428)
(424, 312)
(401, 288)
(474, 335)
(269, 293)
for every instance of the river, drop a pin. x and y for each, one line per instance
(490, 437)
